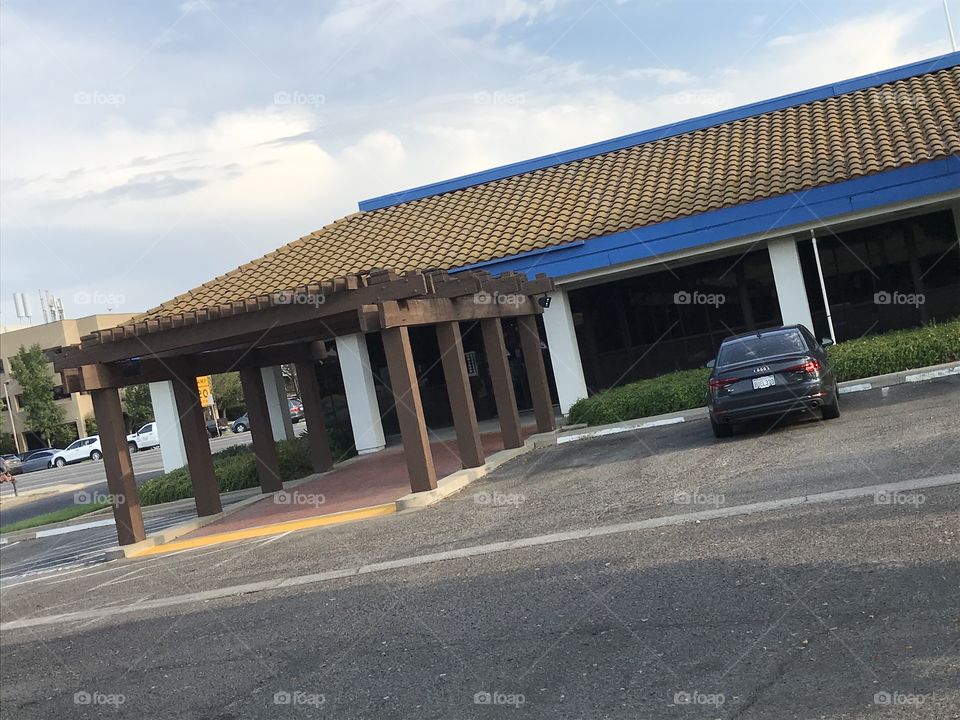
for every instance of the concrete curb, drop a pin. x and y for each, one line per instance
(25, 496)
(456, 481)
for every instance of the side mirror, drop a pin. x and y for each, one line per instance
(711, 363)
(827, 342)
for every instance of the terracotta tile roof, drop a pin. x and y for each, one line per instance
(840, 138)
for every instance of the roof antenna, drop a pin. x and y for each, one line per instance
(953, 39)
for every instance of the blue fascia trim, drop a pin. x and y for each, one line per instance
(484, 264)
(762, 216)
(758, 108)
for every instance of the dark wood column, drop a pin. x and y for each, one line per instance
(536, 372)
(458, 392)
(320, 455)
(264, 449)
(196, 444)
(406, 395)
(506, 400)
(117, 465)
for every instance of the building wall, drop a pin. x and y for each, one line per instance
(76, 406)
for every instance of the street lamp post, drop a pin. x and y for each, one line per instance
(13, 427)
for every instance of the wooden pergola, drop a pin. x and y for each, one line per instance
(291, 327)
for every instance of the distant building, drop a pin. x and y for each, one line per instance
(77, 407)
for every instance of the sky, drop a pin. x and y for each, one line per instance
(147, 147)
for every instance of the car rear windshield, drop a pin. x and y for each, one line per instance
(761, 347)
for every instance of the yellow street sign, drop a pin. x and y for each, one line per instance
(205, 388)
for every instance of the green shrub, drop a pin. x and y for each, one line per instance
(236, 468)
(853, 359)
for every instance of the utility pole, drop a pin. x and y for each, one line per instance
(953, 39)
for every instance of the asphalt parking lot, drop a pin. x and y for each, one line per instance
(837, 606)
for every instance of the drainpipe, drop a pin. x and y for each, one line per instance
(823, 285)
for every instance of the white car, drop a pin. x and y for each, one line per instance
(144, 438)
(87, 448)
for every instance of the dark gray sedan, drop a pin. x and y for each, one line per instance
(770, 373)
(39, 459)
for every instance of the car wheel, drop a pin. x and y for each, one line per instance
(133, 447)
(59, 462)
(831, 411)
(239, 428)
(721, 430)
(96, 455)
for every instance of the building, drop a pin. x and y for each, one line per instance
(77, 406)
(836, 207)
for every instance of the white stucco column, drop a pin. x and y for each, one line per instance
(361, 393)
(564, 350)
(168, 425)
(277, 404)
(791, 292)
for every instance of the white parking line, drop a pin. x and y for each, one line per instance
(75, 528)
(488, 549)
(932, 374)
(618, 429)
(855, 388)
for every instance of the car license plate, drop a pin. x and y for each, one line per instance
(764, 382)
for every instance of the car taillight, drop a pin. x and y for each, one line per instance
(810, 367)
(717, 383)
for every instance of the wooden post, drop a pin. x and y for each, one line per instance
(458, 392)
(536, 372)
(196, 444)
(406, 395)
(320, 456)
(506, 400)
(117, 465)
(264, 449)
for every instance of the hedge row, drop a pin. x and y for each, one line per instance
(236, 469)
(853, 359)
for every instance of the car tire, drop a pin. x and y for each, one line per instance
(239, 428)
(133, 447)
(831, 411)
(96, 455)
(59, 462)
(721, 430)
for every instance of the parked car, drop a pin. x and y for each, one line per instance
(38, 459)
(213, 430)
(11, 464)
(296, 409)
(241, 424)
(770, 373)
(144, 438)
(87, 448)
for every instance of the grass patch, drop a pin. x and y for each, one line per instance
(852, 360)
(67, 513)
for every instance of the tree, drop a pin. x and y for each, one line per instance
(139, 406)
(228, 394)
(43, 416)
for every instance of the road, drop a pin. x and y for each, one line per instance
(655, 574)
(146, 464)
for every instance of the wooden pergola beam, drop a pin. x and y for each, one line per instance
(432, 311)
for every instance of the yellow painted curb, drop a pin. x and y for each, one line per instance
(274, 529)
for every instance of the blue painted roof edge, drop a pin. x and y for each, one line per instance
(817, 205)
(704, 121)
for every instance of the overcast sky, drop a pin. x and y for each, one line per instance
(150, 146)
